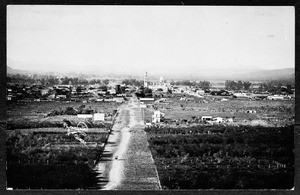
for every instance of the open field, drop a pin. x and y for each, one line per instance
(34, 114)
(176, 109)
(44, 107)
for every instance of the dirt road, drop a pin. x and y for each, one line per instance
(120, 146)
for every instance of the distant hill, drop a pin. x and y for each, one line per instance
(287, 74)
(10, 70)
(276, 74)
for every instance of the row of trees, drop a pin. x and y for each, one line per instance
(201, 84)
(272, 86)
(49, 80)
(239, 85)
(133, 82)
(275, 86)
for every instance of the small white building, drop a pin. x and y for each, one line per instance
(218, 120)
(84, 116)
(148, 124)
(61, 96)
(200, 92)
(112, 91)
(275, 97)
(156, 117)
(206, 118)
(229, 120)
(99, 117)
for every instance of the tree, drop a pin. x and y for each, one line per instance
(230, 85)
(247, 85)
(105, 81)
(204, 85)
(239, 85)
(78, 89)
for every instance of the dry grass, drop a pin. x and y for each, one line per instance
(178, 109)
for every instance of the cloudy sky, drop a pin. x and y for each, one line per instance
(134, 39)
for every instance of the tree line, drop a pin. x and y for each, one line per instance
(201, 84)
(133, 82)
(49, 80)
(239, 85)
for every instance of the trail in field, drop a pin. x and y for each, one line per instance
(139, 169)
(105, 165)
(115, 149)
(131, 153)
(116, 174)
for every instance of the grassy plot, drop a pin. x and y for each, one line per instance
(244, 157)
(176, 109)
(33, 160)
(40, 108)
(35, 114)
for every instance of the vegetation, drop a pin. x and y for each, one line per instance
(144, 92)
(202, 84)
(51, 114)
(71, 111)
(275, 86)
(239, 85)
(33, 163)
(220, 157)
(49, 80)
(133, 82)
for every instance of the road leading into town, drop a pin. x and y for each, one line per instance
(126, 142)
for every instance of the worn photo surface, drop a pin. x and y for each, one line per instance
(150, 97)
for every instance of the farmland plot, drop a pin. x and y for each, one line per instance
(176, 109)
(39, 159)
(41, 155)
(244, 157)
(35, 114)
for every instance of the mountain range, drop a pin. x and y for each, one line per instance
(241, 74)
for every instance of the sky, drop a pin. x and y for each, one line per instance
(156, 39)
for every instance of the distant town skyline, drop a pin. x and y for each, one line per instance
(160, 40)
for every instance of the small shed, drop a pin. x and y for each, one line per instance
(99, 117)
(218, 120)
(156, 117)
(206, 118)
(84, 116)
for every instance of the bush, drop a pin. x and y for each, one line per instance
(70, 111)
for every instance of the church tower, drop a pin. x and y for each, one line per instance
(146, 80)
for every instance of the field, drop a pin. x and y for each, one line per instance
(40, 154)
(255, 151)
(52, 160)
(281, 112)
(219, 157)
(36, 114)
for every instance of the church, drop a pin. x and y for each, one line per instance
(161, 84)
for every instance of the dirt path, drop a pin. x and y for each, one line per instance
(129, 137)
(139, 168)
(106, 163)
